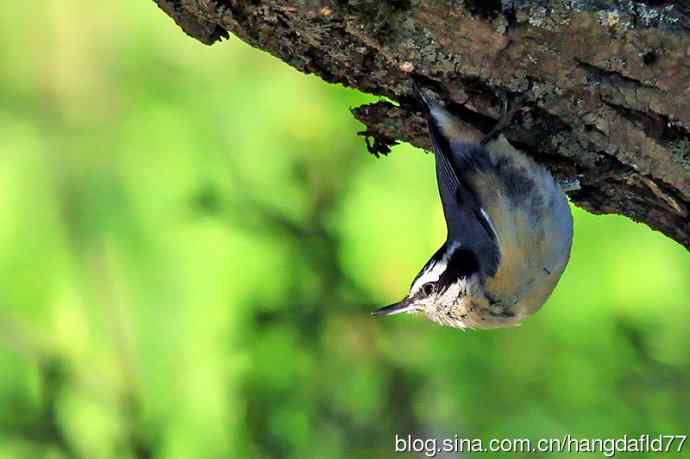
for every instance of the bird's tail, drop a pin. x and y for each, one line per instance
(429, 103)
(444, 127)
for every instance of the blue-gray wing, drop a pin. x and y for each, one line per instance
(468, 224)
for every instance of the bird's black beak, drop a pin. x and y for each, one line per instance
(405, 305)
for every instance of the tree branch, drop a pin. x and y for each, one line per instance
(606, 82)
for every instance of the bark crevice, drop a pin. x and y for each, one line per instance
(606, 82)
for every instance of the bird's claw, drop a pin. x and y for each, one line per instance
(509, 111)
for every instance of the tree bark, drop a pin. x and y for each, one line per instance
(605, 84)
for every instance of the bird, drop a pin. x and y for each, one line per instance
(509, 231)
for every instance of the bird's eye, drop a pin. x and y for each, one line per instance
(428, 288)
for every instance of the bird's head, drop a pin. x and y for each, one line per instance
(447, 290)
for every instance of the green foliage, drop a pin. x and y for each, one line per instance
(191, 240)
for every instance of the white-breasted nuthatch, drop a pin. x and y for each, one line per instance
(509, 232)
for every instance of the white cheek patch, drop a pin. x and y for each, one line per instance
(452, 293)
(432, 274)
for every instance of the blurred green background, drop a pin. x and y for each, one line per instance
(191, 240)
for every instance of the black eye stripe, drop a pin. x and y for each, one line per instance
(463, 263)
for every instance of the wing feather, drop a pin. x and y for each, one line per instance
(468, 224)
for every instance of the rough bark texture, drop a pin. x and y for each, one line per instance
(606, 83)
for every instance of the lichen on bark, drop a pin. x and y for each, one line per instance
(606, 83)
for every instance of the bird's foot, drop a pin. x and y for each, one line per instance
(569, 184)
(510, 108)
